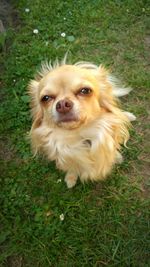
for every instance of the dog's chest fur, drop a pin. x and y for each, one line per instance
(80, 151)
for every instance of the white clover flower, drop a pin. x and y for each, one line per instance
(58, 181)
(35, 31)
(64, 18)
(61, 217)
(27, 10)
(63, 34)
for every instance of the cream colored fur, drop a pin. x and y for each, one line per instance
(89, 145)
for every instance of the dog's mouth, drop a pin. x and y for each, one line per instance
(69, 121)
(67, 118)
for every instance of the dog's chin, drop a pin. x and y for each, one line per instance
(69, 125)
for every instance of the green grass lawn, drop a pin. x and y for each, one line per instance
(105, 223)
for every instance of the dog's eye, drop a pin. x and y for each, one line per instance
(47, 98)
(85, 91)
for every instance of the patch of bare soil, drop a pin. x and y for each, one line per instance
(147, 41)
(14, 261)
(8, 15)
(8, 19)
(6, 150)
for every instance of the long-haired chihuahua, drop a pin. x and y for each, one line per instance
(77, 119)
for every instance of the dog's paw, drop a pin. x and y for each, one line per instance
(70, 180)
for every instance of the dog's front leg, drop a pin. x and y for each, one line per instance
(71, 179)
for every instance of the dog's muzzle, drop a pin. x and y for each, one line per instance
(65, 111)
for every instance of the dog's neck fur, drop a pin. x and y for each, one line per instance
(82, 149)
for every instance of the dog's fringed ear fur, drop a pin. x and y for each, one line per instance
(109, 93)
(36, 110)
(107, 99)
(110, 89)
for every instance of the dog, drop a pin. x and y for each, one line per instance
(77, 119)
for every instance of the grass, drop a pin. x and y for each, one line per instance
(105, 224)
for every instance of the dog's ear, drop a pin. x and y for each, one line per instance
(108, 102)
(111, 89)
(107, 99)
(36, 110)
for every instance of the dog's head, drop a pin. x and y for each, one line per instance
(69, 96)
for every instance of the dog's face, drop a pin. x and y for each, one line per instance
(68, 97)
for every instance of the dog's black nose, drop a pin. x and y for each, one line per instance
(64, 106)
